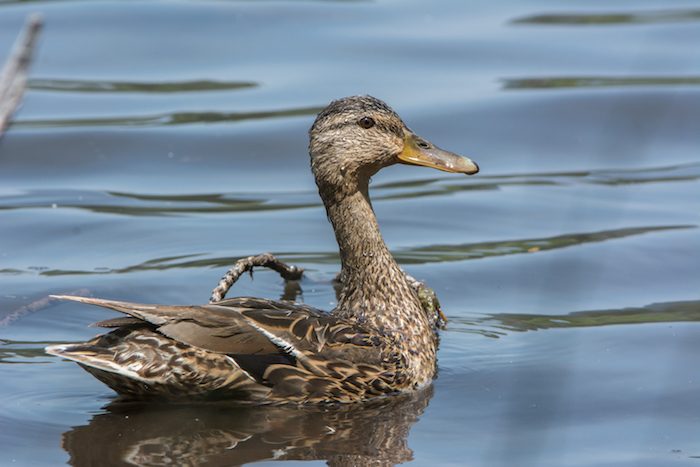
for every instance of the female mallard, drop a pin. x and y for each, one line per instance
(377, 341)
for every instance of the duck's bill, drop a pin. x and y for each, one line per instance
(417, 151)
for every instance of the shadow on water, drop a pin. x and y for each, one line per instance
(602, 19)
(137, 434)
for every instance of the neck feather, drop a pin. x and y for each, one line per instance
(375, 289)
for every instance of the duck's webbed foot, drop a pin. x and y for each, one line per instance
(247, 264)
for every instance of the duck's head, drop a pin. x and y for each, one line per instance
(356, 136)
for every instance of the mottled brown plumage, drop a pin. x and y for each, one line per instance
(377, 341)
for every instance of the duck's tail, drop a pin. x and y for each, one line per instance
(136, 361)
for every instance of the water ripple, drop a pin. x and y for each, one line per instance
(137, 204)
(561, 82)
(611, 18)
(499, 324)
(13, 352)
(166, 119)
(415, 255)
(91, 86)
(467, 251)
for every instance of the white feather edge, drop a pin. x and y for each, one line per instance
(278, 341)
(63, 351)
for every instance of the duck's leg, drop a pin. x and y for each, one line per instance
(247, 264)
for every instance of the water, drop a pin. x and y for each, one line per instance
(160, 141)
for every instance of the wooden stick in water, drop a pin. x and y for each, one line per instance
(247, 264)
(13, 78)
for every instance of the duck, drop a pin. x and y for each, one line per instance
(378, 340)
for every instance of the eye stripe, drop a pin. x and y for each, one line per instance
(390, 128)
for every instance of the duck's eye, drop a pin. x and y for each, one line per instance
(366, 122)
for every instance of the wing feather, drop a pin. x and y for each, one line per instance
(299, 350)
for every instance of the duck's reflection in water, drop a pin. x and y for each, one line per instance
(130, 433)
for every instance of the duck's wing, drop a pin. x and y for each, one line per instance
(295, 350)
(249, 326)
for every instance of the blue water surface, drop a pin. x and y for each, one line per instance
(159, 141)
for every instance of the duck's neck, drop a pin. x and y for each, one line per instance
(375, 290)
